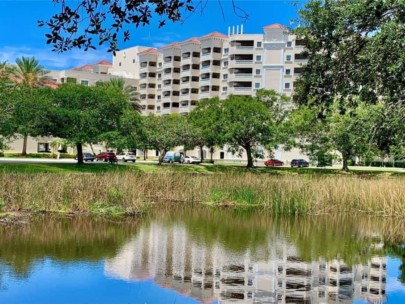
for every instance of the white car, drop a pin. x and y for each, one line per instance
(127, 157)
(192, 160)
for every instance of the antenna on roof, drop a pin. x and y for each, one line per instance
(241, 28)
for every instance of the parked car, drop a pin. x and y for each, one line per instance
(87, 157)
(174, 157)
(192, 160)
(126, 157)
(107, 157)
(273, 163)
(299, 163)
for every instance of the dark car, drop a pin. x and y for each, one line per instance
(107, 157)
(273, 163)
(299, 163)
(87, 157)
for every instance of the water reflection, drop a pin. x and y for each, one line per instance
(274, 273)
(204, 255)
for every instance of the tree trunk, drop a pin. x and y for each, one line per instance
(161, 156)
(144, 154)
(248, 149)
(92, 149)
(79, 154)
(345, 163)
(211, 154)
(24, 149)
(201, 153)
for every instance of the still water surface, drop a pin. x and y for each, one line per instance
(203, 256)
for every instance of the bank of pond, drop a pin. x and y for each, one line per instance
(179, 254)
(133, 193)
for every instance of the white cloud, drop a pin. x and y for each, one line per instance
(51, 60)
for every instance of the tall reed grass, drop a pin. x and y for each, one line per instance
(129, 193)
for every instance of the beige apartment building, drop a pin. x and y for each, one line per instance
(174, 78)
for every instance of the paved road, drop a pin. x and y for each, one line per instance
(52, 161)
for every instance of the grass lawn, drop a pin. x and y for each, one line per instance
(205, 168)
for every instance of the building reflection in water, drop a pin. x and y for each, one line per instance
(271, 274)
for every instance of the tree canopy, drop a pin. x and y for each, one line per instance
(83, 114)
(87, 23)
(353, 48)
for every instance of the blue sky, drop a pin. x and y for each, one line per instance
(20, 35)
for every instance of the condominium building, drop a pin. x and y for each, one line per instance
(174, 78)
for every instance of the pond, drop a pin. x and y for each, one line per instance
(201, 255)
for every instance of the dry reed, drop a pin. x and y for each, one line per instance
(133, 192)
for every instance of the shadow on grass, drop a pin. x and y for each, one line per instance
(183, 168)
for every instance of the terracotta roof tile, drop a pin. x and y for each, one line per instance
(275, 26)
(174, 44)
(194, 39)
(150, 51)
(214, 34)
(104, 62)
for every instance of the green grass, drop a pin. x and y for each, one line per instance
(195, 169)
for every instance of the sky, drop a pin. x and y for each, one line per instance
(20, 35)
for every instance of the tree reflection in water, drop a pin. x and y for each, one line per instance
(221, 254)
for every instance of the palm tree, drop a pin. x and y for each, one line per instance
(28, 74)
(129, 90)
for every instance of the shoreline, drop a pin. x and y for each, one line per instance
(134, 193)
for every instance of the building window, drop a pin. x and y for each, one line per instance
(288, 72)
(158, 108)
(119, 64)
(225, 76)
(133, 60)
(257, 71)
(225, 63)
(259, 44)
(258, 58)
(224, 89)
(257, 85)
(226, 50)
(84, 82)
(160, 64)
(159, 86)
(288, 57)
(287, 85)
(289, 43)
(43, 148)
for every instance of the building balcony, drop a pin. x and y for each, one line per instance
(147, 80)
(165, 111)
(240, 77)
(194, 96)
(245, 50)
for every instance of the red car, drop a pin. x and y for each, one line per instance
(107, 157)
(273, 163)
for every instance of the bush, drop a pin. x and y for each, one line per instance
(30, 155)
(67, 155)
(387, 164)
(1, 154)
(208, 161)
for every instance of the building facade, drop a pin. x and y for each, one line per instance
(175, 78)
